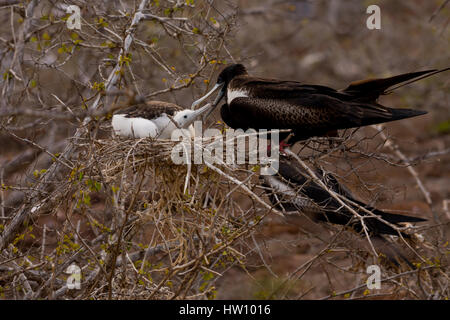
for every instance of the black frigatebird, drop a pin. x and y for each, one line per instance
(309, 110)
(155, 119)
(291, 190)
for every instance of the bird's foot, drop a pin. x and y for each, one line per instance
(282, 146)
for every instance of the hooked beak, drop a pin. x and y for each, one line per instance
(216, 102)
(196, 114)
(214, 89)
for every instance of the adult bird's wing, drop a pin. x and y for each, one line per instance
(269, 88)
(310, 115)
(282, 104)
(325, 207)
(332, 211)
(370, 89)
(367, 90)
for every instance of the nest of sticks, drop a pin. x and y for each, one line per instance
(184, 222)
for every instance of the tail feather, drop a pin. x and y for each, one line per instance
(396, 218)
(427, 74)
(371, 89)
(380, 227)
(368, 114)
(398, 114)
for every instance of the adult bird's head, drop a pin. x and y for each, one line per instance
(230, 72)
(223, 80)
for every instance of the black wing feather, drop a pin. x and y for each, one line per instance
(313, 110)
(308, 116)
(369, 90)
(332, 210)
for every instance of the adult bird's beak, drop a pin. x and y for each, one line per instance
(216, 102)
(196, 114)
(214, 89)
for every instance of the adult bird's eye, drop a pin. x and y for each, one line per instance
(185, 117)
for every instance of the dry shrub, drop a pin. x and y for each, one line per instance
(141, 227)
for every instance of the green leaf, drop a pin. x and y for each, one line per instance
(443, 127)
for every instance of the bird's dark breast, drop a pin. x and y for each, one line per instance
(307, 115)
(277, 114)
